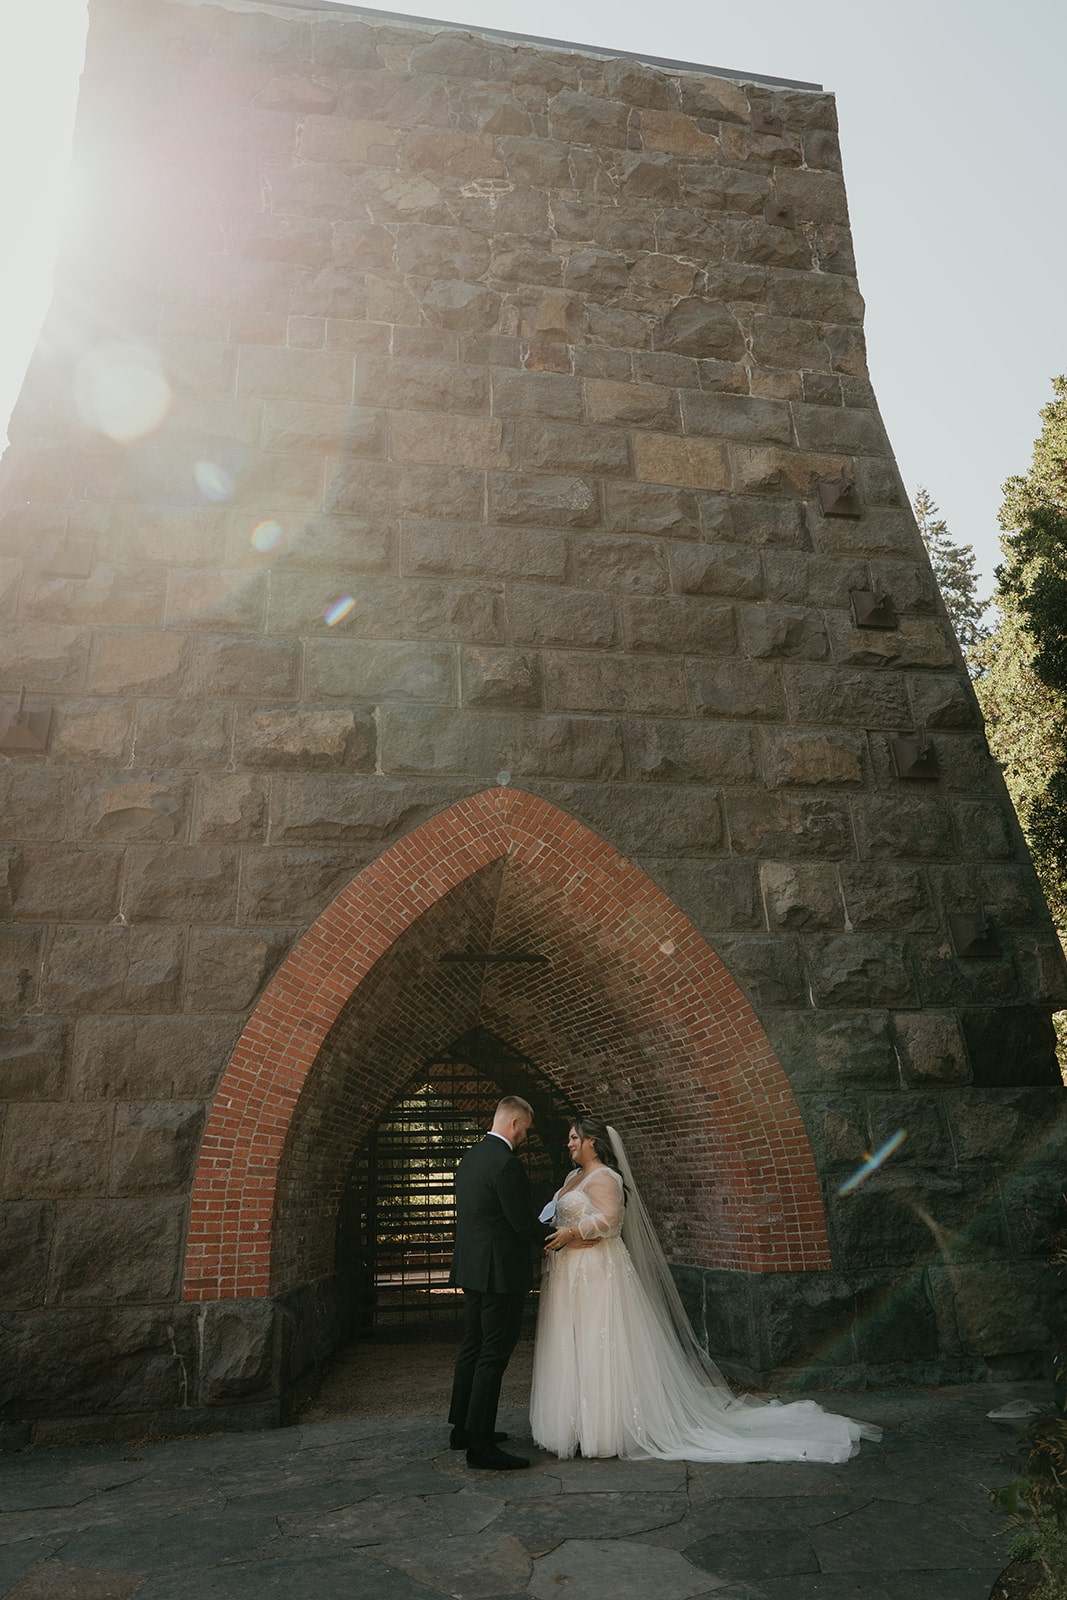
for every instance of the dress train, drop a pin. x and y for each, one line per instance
(612, 1377)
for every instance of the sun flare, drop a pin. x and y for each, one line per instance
(41, 54)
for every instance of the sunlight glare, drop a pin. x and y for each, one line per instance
(121, 390)
(38, 90)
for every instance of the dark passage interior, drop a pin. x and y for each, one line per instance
(397, 1215)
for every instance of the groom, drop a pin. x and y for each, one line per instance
(495, 1228)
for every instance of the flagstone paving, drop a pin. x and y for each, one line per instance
(380, 1508)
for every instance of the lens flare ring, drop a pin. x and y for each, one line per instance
(871, 1163)
(266, 536)
(213, 481)
(338, 610)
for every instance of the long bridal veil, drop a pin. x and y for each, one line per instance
(650, 1264)
(685, 1407)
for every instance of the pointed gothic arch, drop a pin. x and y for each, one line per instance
(715, 1103)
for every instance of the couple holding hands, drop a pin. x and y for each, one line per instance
(617, 1368)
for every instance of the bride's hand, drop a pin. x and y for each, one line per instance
(560, 1239)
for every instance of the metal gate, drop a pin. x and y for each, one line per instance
(397, 1220)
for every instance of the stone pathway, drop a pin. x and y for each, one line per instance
(379, 1508)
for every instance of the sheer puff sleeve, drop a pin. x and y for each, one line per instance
(603, 1210)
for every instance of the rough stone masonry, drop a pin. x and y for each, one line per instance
(423, 412)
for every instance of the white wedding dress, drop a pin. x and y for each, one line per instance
(617, 1369)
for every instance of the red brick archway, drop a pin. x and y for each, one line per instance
(726, 1090)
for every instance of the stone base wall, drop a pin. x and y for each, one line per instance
(247, 1364)
(136, 1373)
(854, 1330)
(421, 411)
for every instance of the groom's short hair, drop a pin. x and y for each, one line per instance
(514, 1105)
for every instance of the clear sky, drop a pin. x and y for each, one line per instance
(952, 132)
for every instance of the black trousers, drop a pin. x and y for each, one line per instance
(491, 1325)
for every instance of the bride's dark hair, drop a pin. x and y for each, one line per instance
(596, 1128)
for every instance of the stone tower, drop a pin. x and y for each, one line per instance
(448, 517)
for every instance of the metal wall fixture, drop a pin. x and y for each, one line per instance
(24, 732)
(972, 936)
(838, 498)
(872, 608)
(915, 756)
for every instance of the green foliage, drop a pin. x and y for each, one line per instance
(1034, 519)
(1048, 1457)
(1012, 1498)
(1036, 1503)
(1040, 1535)
(1026, 725)
(1022, 666)
(955, 571)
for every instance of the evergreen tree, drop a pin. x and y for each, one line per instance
(1026, 726)
(1023, 690)
(955, 571)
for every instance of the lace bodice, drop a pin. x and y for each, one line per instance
(592, 1203)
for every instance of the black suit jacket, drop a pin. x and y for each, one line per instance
(495, 1224)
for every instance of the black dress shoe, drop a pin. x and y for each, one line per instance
(495, 1460)
(460, 1439)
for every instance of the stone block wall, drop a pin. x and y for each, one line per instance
(419, 407)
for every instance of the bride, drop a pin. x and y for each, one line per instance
(617, 1368)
